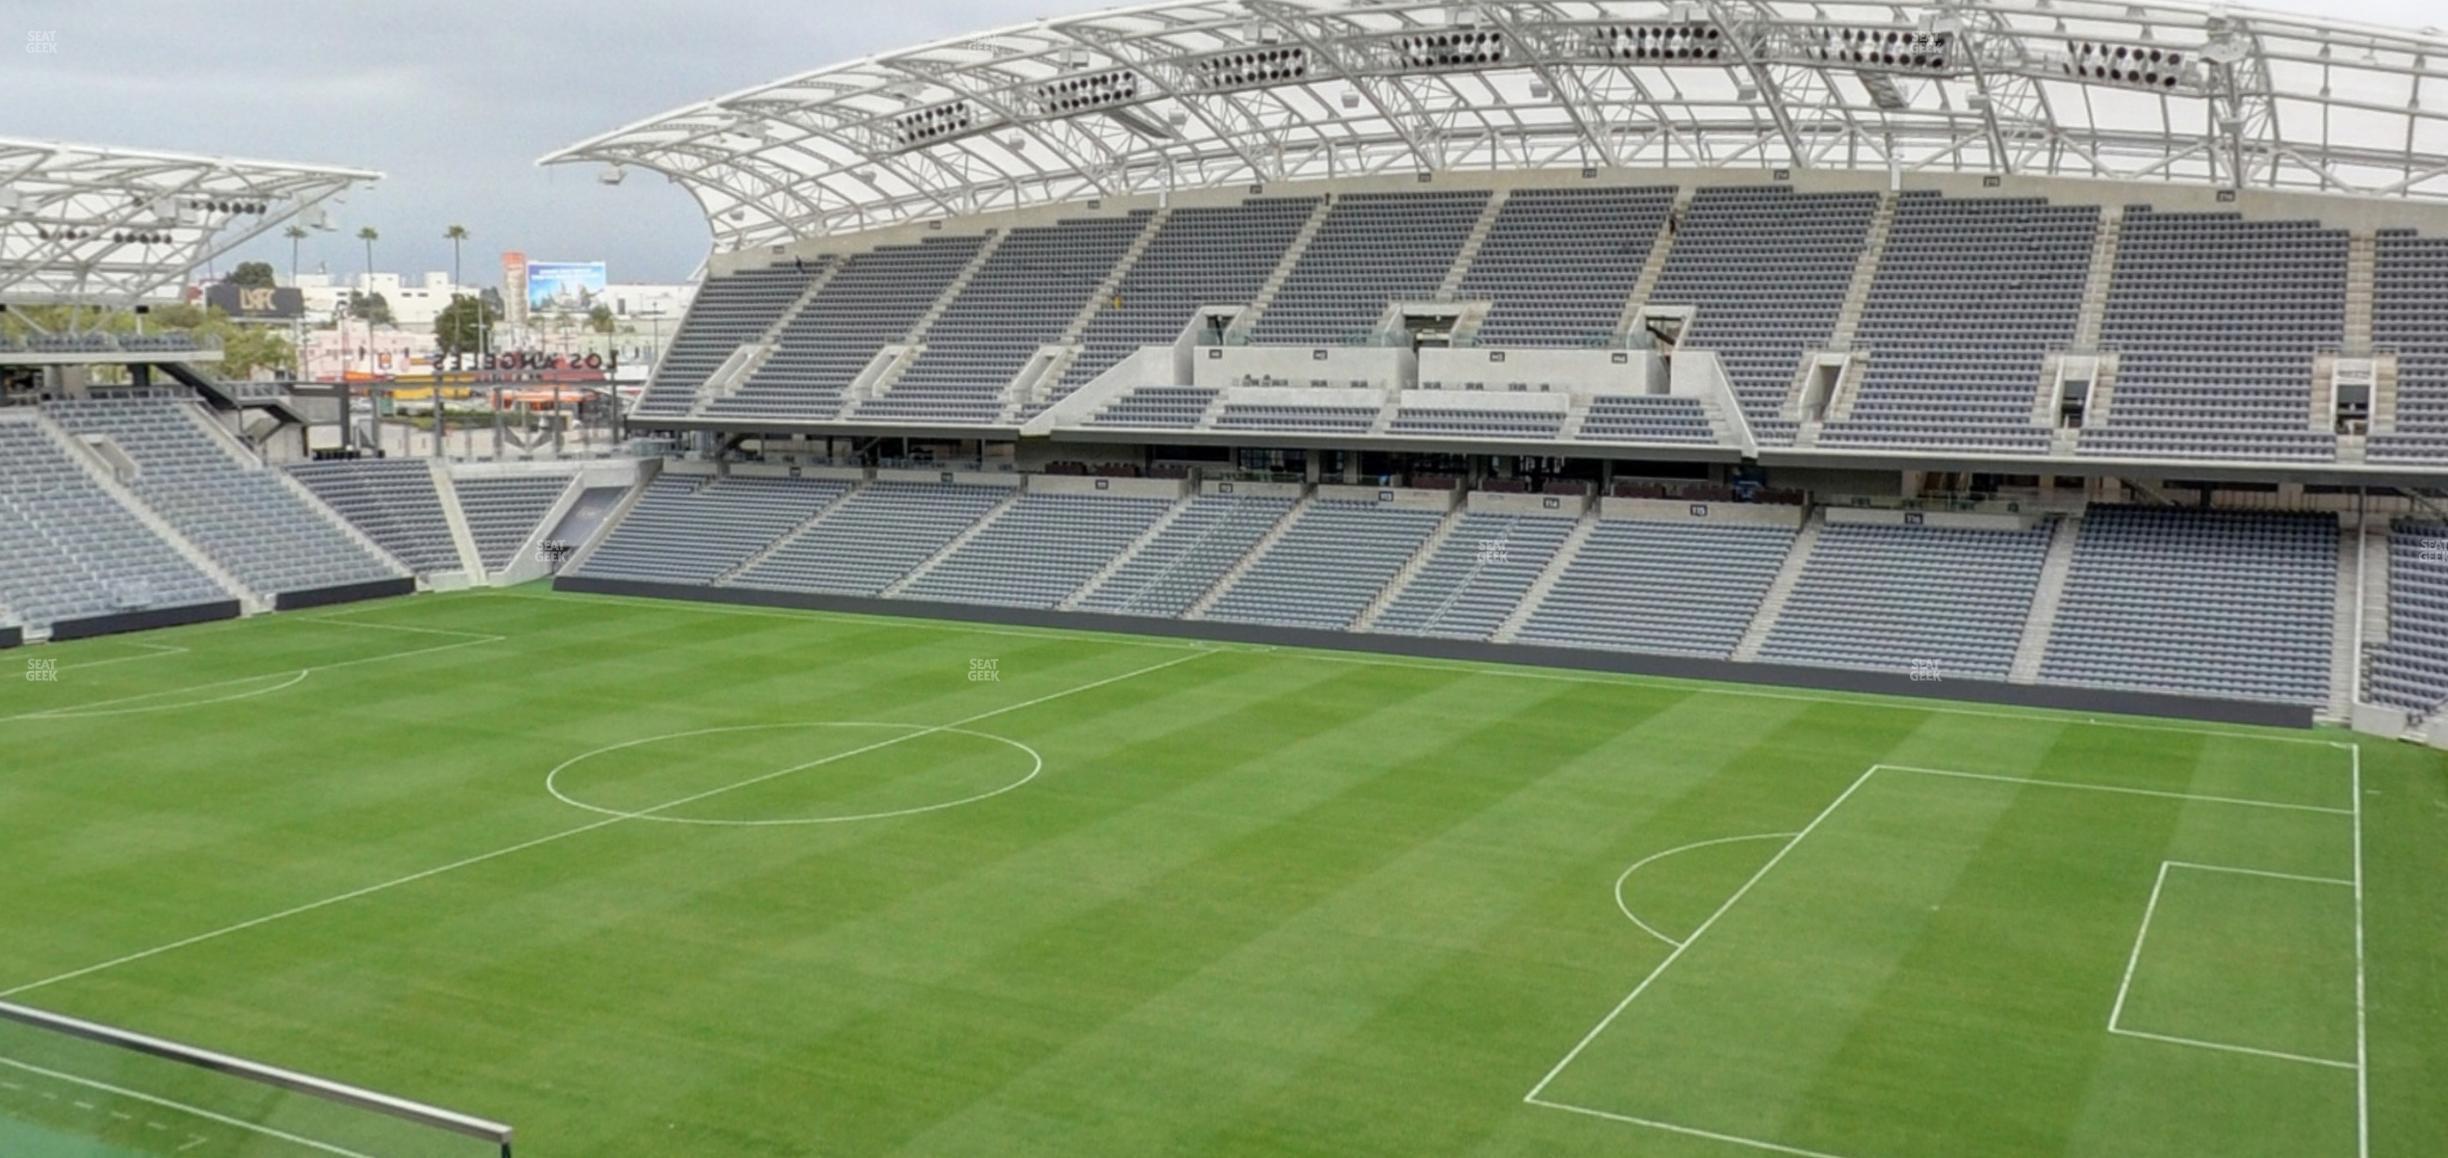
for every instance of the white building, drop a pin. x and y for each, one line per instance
(413, 305)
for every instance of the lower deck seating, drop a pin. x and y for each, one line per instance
(1039, 550)
(243, 514)
(1948, 600)
(393, 501)
(1477, 577)
(881, 533)
(1183, 560)
(2219, 603)
(1684, 588)
(68, 550)
(693, 528)
(1328, 566)
(2409, 669)
(503, 510)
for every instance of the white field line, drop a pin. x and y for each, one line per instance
(1643, 862)
(2134, 958)
(1489, 668)
(182, 1107)
(2362, 1040)
(564, 834)
(2229, 1047)
(2121, 790)
(1696, 934)
(112, 707)
(2360, 1066)
(2254, 872)
(1711, 1135)
(152, 651)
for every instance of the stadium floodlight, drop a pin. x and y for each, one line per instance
(612, 175)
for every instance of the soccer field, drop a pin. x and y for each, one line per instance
(653, 878)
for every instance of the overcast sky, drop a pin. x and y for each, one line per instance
(454, 100)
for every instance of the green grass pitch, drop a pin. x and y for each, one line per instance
(650, 878)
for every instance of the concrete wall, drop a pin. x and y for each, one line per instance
(1336, 366)
(1586, 371)
(1498, 503)
(1410, 498)
(1894, 518)
(1683, 511)
(1118, 488)
(1894, 683)
(1247, 489)
(962, 477)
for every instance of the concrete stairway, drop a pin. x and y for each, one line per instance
(247, 597)
(1547, 579)
(1072, 601)
(959, 541)
(471, 559)
(1410, 569)
(1283, 269)
(1256, 552)
(247, 459)
(2362, 272)
(739, 369)
(2103, 271)
(1451, 287)
(1865, 271)
(1780, 590)
(2046, 599)
(2373, 602)
(1652, 268)
(797, 529)
(2344, 665)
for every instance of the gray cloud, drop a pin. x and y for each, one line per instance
(454, 100)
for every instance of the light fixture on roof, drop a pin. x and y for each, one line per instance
(1178, 118)
(867, 176)
(1538, 90)
(612, 175)
(2226, 49)
(1351, 99)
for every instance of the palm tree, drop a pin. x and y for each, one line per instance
(295, 234)
(455, 234)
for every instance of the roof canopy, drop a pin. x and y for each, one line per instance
(1227, 92)
(88, 223)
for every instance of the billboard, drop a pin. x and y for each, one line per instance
(555, 287)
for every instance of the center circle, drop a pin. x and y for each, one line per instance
(963, 785)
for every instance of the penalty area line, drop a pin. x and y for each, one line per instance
(565, 834)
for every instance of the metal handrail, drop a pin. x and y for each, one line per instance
(204, 1059)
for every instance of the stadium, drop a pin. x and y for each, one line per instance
(1232, 577)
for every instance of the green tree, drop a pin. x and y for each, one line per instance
(369, 307)
(254, 275)
(600, 320)
(457, 328)
(247, 349)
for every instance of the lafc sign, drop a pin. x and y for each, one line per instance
(256, 303)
